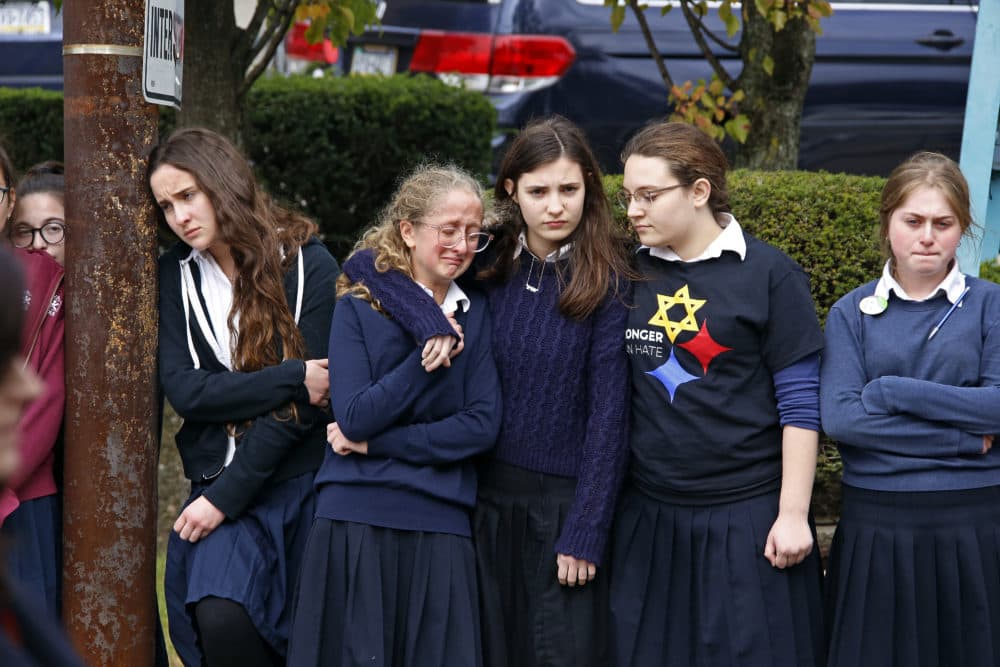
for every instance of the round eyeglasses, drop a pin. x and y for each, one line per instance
(450, 237)
(644, 198)
(23, 235)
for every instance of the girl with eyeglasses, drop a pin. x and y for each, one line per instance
(38, 220)
(714, 547)
(389, 574)
(246, 298)
(30, 510)
(556, 283)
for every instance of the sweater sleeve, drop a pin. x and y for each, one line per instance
(43, 418)
(366, 405)
(845, 418)
(971, 409)
(459, 436)
(605, 448)
(399, 296)
(269, 438)
(215, 396)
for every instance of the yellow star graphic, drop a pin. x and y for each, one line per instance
(680, 298)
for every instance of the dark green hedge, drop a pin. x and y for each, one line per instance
(336, 146)
(332, 147)
(31, 125)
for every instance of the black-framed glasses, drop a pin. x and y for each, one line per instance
(3, 193)
(23, 235)
(644, 198)
(450, 236)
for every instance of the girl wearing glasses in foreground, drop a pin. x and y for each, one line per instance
(554, 279)
(389, 573)
(29, 507)
(713, 544)
(910, 392)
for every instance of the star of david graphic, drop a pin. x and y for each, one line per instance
(704, 347)
(671, 375)
(680, 298)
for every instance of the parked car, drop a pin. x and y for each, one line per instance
(30, 45)
(890, 77)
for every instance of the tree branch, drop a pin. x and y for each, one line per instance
(733, 48)
(695, 25)
(276, 18)
(640, 17)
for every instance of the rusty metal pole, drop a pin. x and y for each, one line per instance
(109, 523)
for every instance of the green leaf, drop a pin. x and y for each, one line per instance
(726, 14)
(768, 65)
(738, 128)
(617, 17)
(778, 19)
(665, 9)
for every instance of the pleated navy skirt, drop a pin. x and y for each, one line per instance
(690, 586)
(33, 536)
(382, 597)
(914, 579)
(253, 560)
(529, 619)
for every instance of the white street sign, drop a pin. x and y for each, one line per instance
(163, 52)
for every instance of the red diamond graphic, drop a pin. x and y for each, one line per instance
(704, 347)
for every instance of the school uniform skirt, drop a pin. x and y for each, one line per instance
(914, 579)
(690, 586)
(529, 619)
(33, 536)
(382, 597)
(253, 560)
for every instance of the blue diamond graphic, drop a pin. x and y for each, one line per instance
(671, 375)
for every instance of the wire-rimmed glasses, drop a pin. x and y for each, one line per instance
(22, 235)
(643, 198)
(450, 236)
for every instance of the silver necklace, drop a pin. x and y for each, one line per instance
(538, 285)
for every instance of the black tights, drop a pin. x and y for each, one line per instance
(229, 638)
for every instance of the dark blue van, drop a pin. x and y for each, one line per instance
(31, 35)
(890, 76)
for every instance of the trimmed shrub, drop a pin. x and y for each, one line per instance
(332, 147)
(31, 125)
(336, 147)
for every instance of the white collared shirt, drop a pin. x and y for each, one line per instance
(731, 239)
(453, 300)
(553, 256)
(953, 285)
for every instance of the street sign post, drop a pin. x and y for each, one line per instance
(163, 52)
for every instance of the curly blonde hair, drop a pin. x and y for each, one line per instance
(417, 197)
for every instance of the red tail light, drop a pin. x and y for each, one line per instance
(297, 46)
(498, 64)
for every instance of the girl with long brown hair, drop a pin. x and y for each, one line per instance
(556, 282)
(246, 299)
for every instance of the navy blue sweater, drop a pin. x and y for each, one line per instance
(564, 384)
(270, 449)
(909, 413)
(423, 429)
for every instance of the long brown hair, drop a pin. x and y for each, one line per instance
(264, 239)
(690, 154)
(924, 169)
(599, 258)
